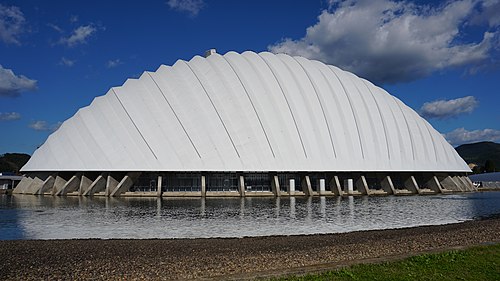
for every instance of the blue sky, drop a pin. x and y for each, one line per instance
(440, 58)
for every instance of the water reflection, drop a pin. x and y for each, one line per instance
(46, 217)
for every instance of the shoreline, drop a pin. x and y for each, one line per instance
(231, 258)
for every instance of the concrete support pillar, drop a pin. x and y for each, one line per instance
(125, 184)
(111, 184)
(348, 186)
(469, 183)
(275, 186)
(71, 185)
(99, 184)
(362, 185)
(85, 182)
(241, 185)
(387, 185)
(335, 186)
(291, 187)
(58, 184)
(23, 185)
(158, 186)
(47, 185)
(412, 185)
(463, 184)
(37, 182)
(459, 183)
(203, 186)
(306, 186)
(435, 185)
(322, 187)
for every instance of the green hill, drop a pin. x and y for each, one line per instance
(479, 152)
(12, 162)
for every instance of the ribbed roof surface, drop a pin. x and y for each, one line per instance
(246, 112)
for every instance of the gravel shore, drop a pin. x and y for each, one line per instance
(228, 258)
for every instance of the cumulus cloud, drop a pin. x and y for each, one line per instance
(12, 85)
(443, 109)
(12, 24)
(391, 41)
(9, 116)
(192, 7)
(79, 36)
(460, 136)
(66, 62)
(42, 125)
(113, 63)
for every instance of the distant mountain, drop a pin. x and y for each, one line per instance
(13, 162)
(479, 152)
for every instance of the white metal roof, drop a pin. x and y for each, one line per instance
(246, 112)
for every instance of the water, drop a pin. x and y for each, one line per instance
(38, 217)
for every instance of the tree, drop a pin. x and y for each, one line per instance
(489, 166)
(477, 169)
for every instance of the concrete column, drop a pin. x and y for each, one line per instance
(464, 183)
(46, 186)
(435, 185)
(306, 186)
(125, 184)
(322, 187)
(241, 185)
(58, 184)
(36, 184)
(22, 185)
(85, 183)
(335, 186)
(99, 184)
(111, 184)
(275, 186)
(412, 185)
(348, 186)
(158, 186)
(362, 185)
(291, 187)
(458, 184)
(469, 183)
(387, 185)
(203, 186)
(71, 185)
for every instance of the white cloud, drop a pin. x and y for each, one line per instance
(9, 116)
(12, 24)
(78, 36)
(113, 63)
(12, 85)
(55, 27)
(192, 7)
(67, 62)
(391, 41)
(73, 18)
(460, 136)
(442, 109)
(41, 125)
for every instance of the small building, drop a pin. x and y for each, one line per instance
(8, 181)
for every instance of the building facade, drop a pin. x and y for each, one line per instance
(241, 125)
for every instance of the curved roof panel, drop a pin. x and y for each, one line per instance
(246, 112)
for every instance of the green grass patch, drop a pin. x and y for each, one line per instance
(478, 263)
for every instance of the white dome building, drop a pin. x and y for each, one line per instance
(245, 124)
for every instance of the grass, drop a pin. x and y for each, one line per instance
(478, 263)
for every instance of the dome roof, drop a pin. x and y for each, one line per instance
(246, 112)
